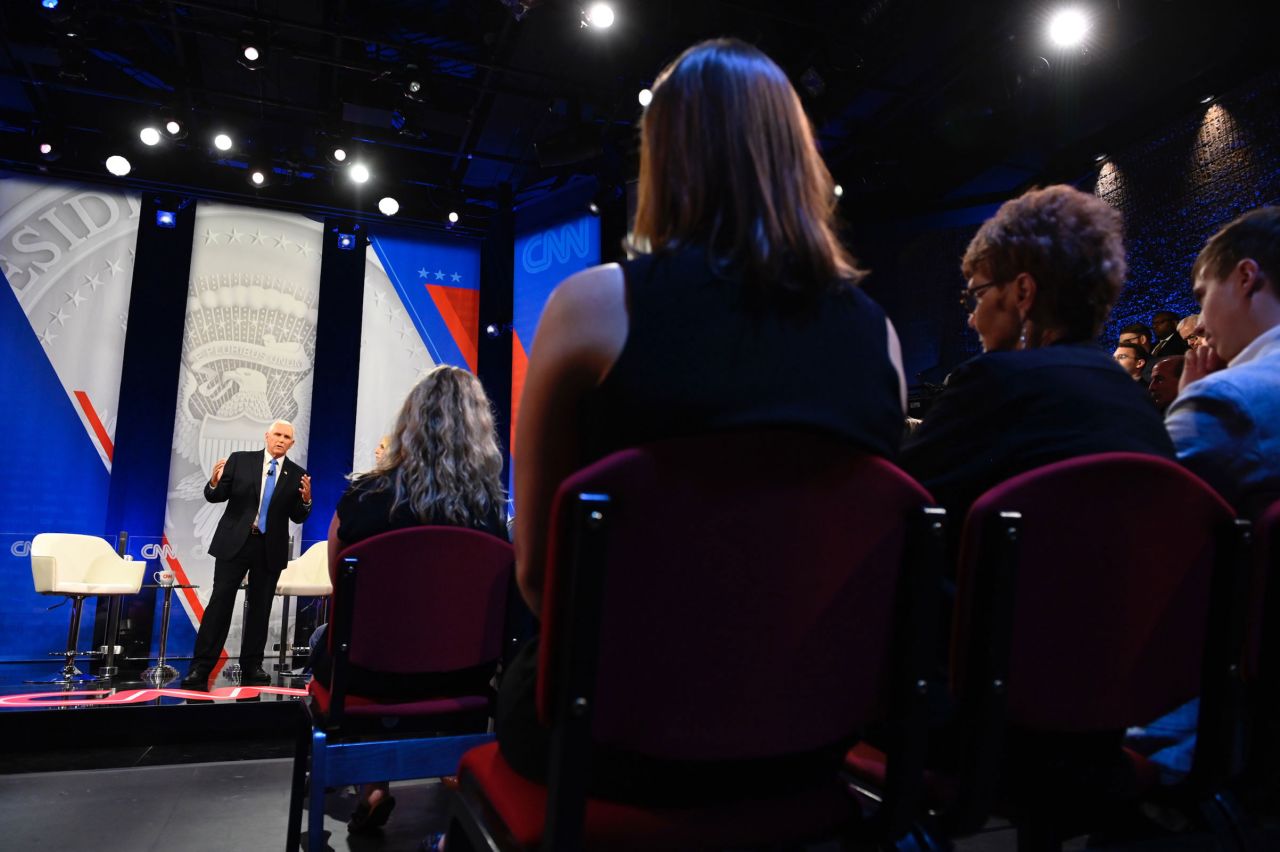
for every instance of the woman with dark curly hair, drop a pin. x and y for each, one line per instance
(1042, 276)
(441, 467)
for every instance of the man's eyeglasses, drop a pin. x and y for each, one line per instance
(969, 296)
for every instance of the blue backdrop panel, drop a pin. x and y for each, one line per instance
(415, 263)
(54, 482)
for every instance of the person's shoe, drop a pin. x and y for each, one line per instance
(255, 677)
(197, 678)
(366, 818)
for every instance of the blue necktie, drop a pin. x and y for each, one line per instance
(266, 496)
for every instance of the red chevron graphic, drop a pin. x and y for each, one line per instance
(460, 309)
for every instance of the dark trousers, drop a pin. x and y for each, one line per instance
(227, 576)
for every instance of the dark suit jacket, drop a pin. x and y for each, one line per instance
(238, 487)
(1171, 345)
(1004, 413)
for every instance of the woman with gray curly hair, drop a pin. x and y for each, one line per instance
(441, 467)
(1042, 276)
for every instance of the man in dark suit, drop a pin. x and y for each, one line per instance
(1168, 341)
(263, 491)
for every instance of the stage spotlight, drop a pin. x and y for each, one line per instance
(222, 142)
(645, 97)
(46, 149)
(837, 191)
(172, 127)
(388, 206)
(1099, 158)
(593, 208)
(251, 53)
(338, 155)
(166, 219)
(1206, 100)
(347, 242)
(49, 4)
(118, 165)
(453, 217)
(257, 177)
(252, 56)
(1068, 27)
(149, 136)
(598, 16)
(359, 172)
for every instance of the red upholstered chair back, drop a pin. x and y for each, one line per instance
(1112, 572)
(428, 599)
(748, 592)
(1264, 613)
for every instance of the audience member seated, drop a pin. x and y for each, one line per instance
(1042, 275)
(738, 307)
(1133, 357)
(1138, 333)
(1225, 422)
(1187, 329)
(441, 467)
(1164, 381)
(1168, 341)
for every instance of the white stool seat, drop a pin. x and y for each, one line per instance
(78, 566)
(308, 575)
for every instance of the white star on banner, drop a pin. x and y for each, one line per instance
(93, 281)
(256, 237)
(48, 337)
(59, 317)
(378, 297)
(210, 237)
(76, 298)
(306, 250)
(455, 277)
(282, 241)
(124, 322)
(439, 274)
(113, 266)
(234, 236)
(422, 273)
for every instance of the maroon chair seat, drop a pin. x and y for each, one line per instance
(1074, 622)
(1262, 660)
(414, 601)
(734, 597)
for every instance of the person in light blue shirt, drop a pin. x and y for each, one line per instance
(1225, 423)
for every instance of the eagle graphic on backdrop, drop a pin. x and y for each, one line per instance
(231, 392)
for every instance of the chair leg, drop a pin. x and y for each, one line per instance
(319, 780)
(284, 633)
(70, 674)
(301, 753)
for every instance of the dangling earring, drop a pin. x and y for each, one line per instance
(1022, 338)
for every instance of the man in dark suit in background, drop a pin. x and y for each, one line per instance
(263, 491)
(1168, 340)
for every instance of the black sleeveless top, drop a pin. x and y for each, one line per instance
(700, 358)
(363, 512)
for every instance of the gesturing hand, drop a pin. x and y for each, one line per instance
(1199, 363)
(217, 472)
(305, 489)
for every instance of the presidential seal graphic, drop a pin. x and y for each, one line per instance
(67, 253)
(247, 355)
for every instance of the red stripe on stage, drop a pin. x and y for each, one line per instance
(103, 438)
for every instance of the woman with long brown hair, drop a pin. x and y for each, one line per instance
(441, 467)
(738, 307)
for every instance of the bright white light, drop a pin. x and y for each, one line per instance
(46, 148)
(645, 97)
(258, 178)
(118, 165)
(359, 173)
(149, 136)
(838, 190)
(251, 53)
(600, 15)
(339, 154)
(222, 142)
(388, 206)
(173, 127)
(453, 217)
(1067, 28)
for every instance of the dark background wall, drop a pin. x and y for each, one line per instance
(1175, 186)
